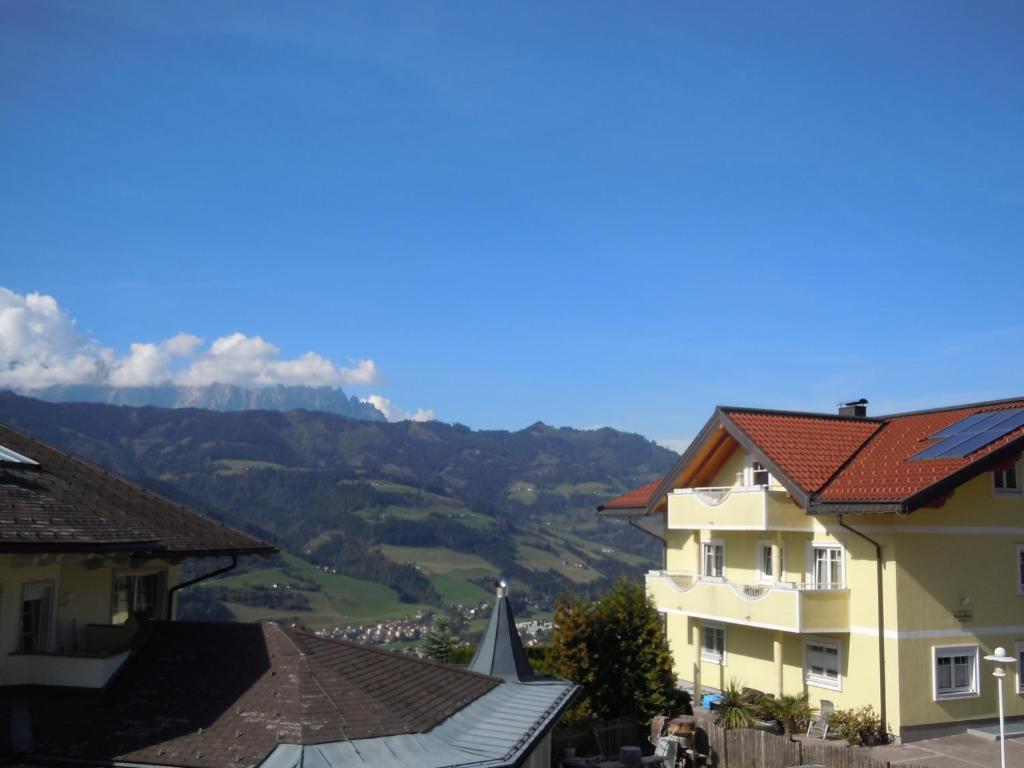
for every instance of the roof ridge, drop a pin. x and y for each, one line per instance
(801, 414)
(982, 404)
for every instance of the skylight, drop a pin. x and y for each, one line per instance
(7, 456)
(972, 433)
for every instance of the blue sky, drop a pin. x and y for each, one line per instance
(584, 213)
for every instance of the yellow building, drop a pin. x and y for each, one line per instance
(862, 560)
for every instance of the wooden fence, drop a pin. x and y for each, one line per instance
(754, 748)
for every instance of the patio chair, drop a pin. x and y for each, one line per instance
(818, 727)
(657, 729)
(664, 753)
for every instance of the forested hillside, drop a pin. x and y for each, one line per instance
(387, 514)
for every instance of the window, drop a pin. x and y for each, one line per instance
(138, 593)
(765, 566)
(1020, 660)
(827, 566)
(758, 474)
(755, 473)
(822, 664)
(956, 671)
(1020, 569)
(1006, 481)
(712, 644)
(713, 558)
(36, 610)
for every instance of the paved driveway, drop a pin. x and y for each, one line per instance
(953, 752)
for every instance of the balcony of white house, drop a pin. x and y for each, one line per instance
(785, 606)
(735, 508)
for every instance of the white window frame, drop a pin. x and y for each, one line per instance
(713, 542)
(1019, 567)
(770, 578)
(712, 656)
(1018, 651)
(939, 651)
(1018, 491)
(812, 572)
(748, 473)
(51, 616)
(824, 682)
(161, 604)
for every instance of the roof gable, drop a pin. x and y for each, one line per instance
(808, 449)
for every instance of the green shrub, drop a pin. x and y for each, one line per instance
(857, 726)
(734, 711)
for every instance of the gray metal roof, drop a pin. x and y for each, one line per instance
(501, 653)
(495, 730)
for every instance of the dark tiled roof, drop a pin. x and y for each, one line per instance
(809, 449)
(225, 695)
(64, 504)
(636, 498)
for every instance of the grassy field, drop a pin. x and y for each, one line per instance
(340, 600)
(562, 562)
(449, 571)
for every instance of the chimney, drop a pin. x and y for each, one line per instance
(858, 408)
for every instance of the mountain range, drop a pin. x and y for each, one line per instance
(375, 518)
(216, 397)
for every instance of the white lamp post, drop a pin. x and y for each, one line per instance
(1001, 660)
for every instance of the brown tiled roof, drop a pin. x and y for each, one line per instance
(225, 695)
(636, 498)
(66, 504)
(809, 449)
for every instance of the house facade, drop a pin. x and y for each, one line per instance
(862, 560)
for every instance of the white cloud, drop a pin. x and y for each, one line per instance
(394, 413)
(41, 346)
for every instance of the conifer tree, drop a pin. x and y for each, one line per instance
(617, 650)
(439, 641)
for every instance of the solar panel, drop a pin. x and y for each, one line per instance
(972, 433)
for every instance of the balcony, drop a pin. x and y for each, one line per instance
(785, 606)
(104, 649)
(80, 670)
(735, 508)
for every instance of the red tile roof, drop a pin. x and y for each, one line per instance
(636, 498)
(883, 469)
(809, 449)
(834, 459)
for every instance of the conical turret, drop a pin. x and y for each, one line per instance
(501, 651)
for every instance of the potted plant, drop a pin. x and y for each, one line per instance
(734, 711)
(794, 711)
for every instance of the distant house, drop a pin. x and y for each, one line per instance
(94, 669)
(862, 560)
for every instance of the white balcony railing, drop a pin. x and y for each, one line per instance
(790, 606)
